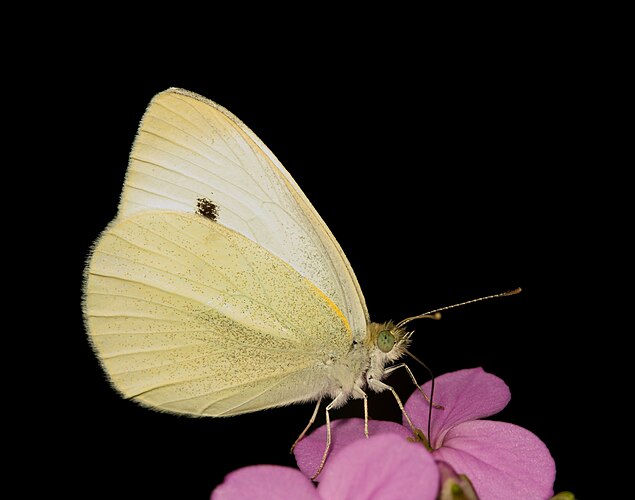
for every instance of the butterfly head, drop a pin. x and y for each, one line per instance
(387, 341)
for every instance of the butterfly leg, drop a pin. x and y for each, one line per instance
(412, 377)
(336, 402)
(361, 394)
(379, 386)
(365, 415)
(311, 421)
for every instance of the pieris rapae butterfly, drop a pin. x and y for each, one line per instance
(218, 289)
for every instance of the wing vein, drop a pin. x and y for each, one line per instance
(147, 351)
(203, 132)
(256, 396)
(220, 136)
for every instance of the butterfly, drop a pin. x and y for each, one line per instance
(218, 289)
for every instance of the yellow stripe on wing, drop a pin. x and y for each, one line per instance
(334, 307)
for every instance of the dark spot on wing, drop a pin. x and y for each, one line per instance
(207, 208)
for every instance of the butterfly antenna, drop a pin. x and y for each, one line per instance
(435, 314)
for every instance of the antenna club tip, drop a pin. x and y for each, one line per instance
(436, 316)
(515, 291)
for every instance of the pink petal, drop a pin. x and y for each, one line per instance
(502, 460)
(263, 482)
(384, 466)
(309, 451)
(464, 394)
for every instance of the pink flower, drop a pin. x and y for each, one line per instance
(385, 466)
(501, 460)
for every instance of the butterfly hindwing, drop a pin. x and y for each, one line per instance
(191, 317)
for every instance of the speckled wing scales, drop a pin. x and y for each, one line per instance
(189, 148)
(191, 317)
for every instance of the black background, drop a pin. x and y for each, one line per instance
(440, 185)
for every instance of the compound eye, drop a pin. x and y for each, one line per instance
(385, 341)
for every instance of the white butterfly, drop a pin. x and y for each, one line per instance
(218, 289)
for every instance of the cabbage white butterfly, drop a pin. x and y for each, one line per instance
(218, 290)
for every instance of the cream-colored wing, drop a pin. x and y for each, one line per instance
(189, 149)
(191, 317)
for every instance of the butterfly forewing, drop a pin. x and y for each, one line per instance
(190, 149)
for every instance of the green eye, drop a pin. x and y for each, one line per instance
(385, 341)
